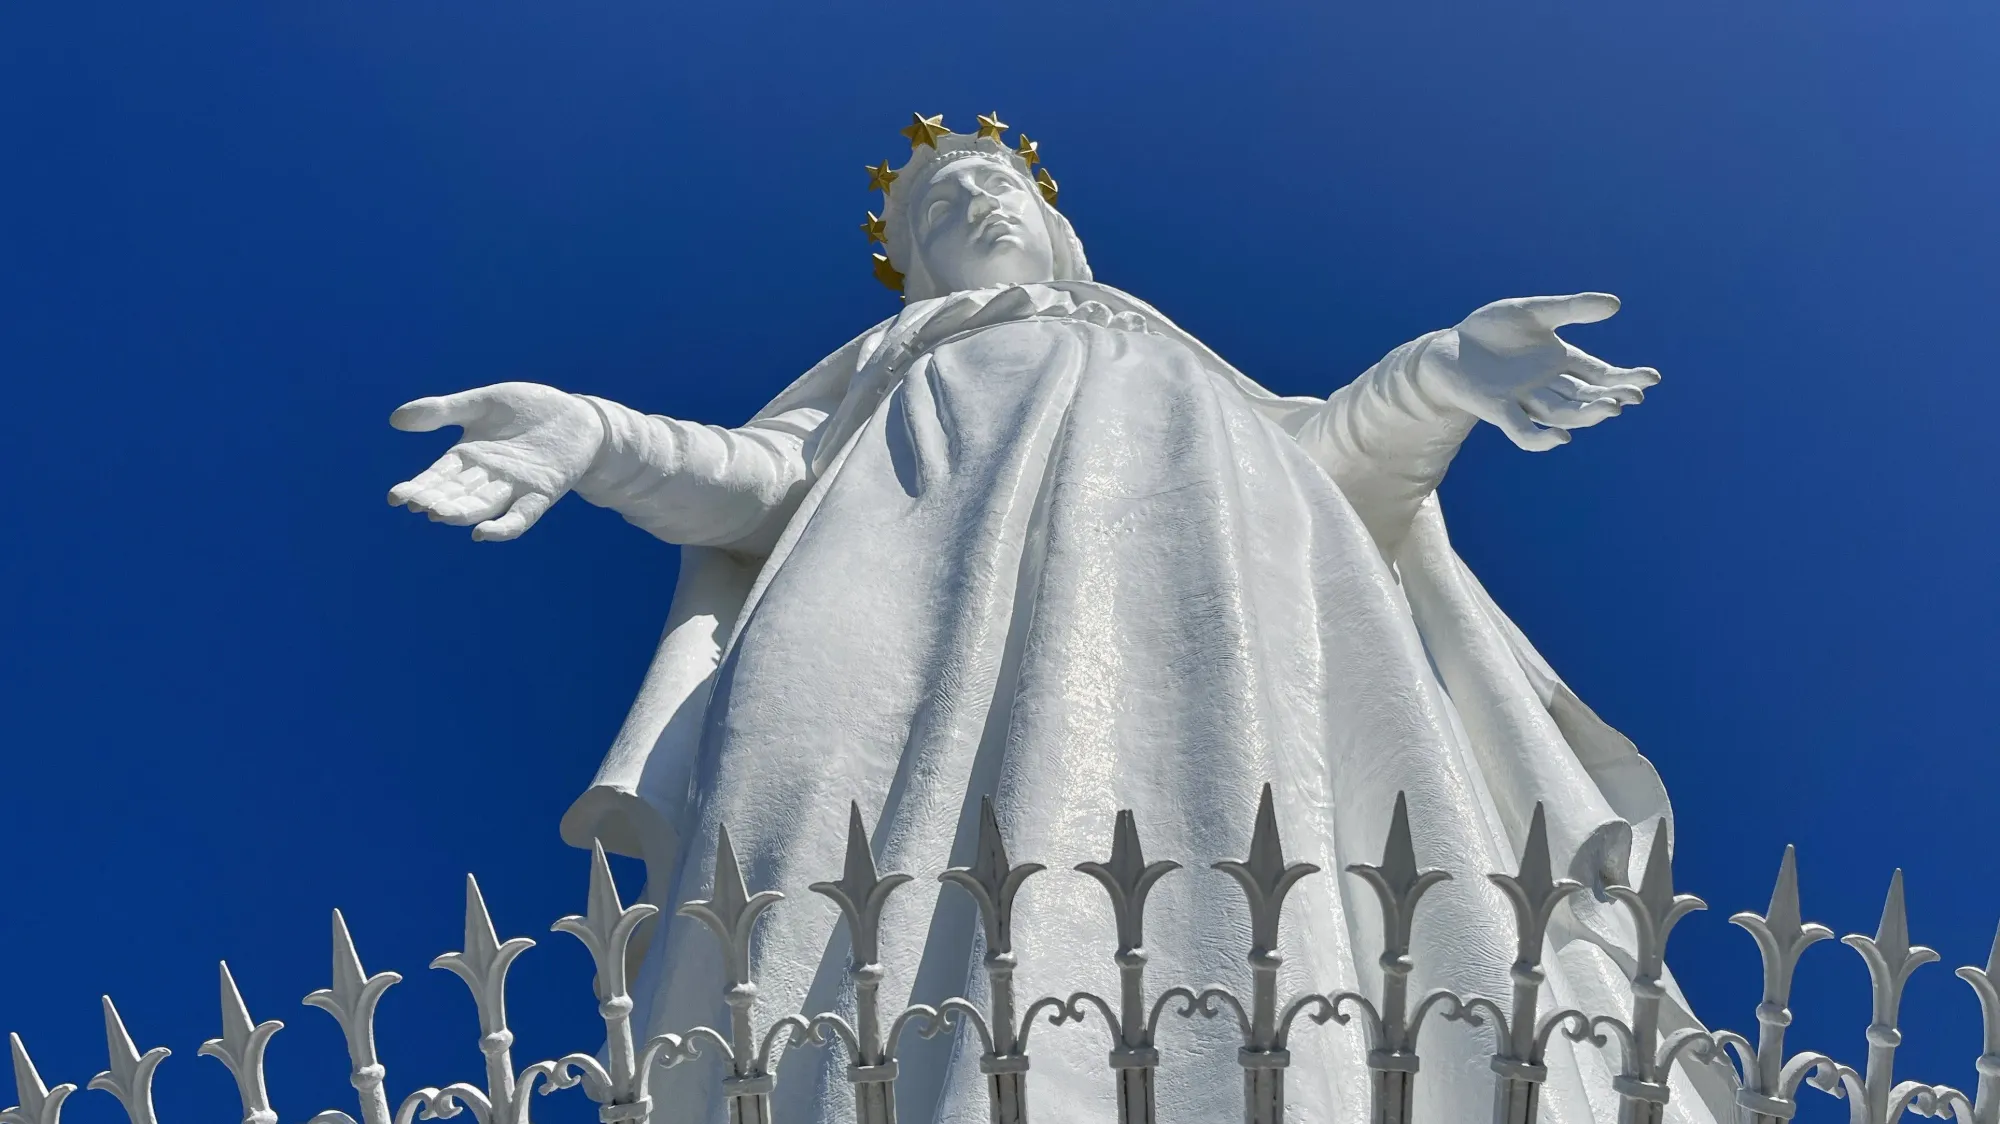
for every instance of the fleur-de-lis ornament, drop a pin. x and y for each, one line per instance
(1656, 909)
(993, 881)
(1129, 879)
(731, 913)
(1770, 1082)
(130, 1078)
(241, 1049)
(1891, 960)
(1265, 878)
(862, 894)
(1398, 885)
(39, 1104)
(483, 965)
(605, 928)
(351, 1001)
(1534, 893)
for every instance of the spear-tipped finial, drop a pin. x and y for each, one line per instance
(39, 1104)
(1890, 956)
(1128, 878)
(130, 1078)
(1783, 914)
(352, 998)
(241, 1050)
(992, 880)
(861, 893)
(1535, 891)
(1397, 881)
(1654, 905)
(1265, 878)
(1892, 933)
(731, 909)
(606, 925)
(484, 960)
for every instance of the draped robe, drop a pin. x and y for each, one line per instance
(1040, 545)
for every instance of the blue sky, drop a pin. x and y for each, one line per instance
(237, 690)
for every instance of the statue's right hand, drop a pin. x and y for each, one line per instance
(524, 446)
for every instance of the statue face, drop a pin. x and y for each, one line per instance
(978, 225)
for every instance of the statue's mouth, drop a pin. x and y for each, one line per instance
(997, 227)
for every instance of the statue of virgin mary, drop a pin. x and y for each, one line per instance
(1027, 540)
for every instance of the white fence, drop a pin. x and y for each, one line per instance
(618, 1079)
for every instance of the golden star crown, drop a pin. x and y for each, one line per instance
(932, 143)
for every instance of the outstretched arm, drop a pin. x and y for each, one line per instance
(526, 445)
(1388, 437)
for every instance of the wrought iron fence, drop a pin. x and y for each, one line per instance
(618, 1080)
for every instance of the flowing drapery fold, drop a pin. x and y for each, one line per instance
(1057, 553)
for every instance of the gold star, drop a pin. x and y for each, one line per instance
(990, 125)
(924, 130)
(1047, 183)
(1028, 151)
(887, 274)
(876, 229)
(880, 177)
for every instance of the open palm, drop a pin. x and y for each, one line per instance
(525, 445)
(1505, 364)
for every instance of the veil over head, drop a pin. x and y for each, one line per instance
(897, 213)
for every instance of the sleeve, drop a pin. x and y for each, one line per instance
(1386, 442)
(701, 485)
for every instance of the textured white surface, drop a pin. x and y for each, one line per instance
(1029, 539)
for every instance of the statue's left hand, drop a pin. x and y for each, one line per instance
(525, 445)
(1505, 364)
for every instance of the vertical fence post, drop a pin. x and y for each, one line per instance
(861, 896)
(1534, 894)
(1782, 935)
(351, 1001)
(1891, 960)
(1398, 884)
(992, 882)
(1265, 878)
(605, 928)
(1656, 909)
(1129, 878)
(731, 913)
(483, 965)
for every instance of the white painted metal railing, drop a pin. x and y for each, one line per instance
(1768, 1080)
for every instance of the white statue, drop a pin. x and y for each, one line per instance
(1029, 539)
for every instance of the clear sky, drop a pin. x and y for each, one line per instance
(236, 689)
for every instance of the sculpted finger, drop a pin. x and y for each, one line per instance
(518, 519)
(483, 502)
(426, 414)
(1594, 370)
(1577, 308)
(1552, 408)
(1577, 390)
(442, 469)
(1521, 429)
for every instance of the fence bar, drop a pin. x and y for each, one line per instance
(861, 896)
(993, 882)
(1265, 878)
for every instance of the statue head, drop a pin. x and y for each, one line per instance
(966, 212)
